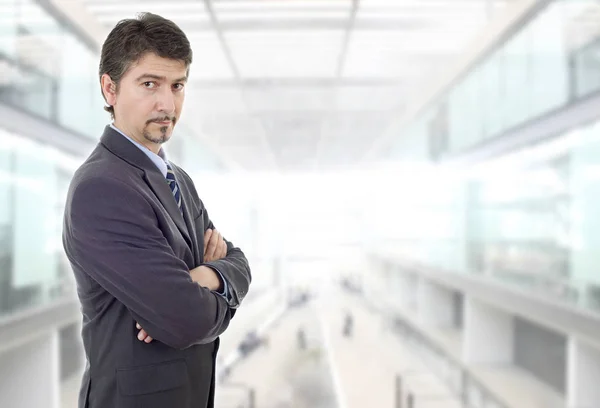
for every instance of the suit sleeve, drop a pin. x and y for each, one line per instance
(112, 234)
(234, 268)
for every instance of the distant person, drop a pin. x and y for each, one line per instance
(157, 282)
(301, 338)
(250, 343)
(348, 325)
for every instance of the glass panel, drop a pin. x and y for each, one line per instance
(528, 75)
(516, 79)
(457, 111)
(549, 87)
(8, 29)
(6, 225)
(586, 63)
(34, 92)
(491, 95)
(581, 37)
(522, 225)
(534, 220)
(46, 70)
(75, 98)
(33, 181)
(585, 190)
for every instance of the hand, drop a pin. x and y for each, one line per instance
(215, 247)
(206, 277)
(142, 335)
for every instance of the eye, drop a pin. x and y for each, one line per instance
(178, 87)
(149, 84)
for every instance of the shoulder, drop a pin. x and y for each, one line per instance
(98, 184)
(103, 166)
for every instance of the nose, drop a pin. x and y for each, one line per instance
(166, 102)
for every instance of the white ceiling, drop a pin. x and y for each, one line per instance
(307, 84)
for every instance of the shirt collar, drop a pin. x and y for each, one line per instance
(160, 159)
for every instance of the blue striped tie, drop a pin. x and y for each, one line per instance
(174, 186)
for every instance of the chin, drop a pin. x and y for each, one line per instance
(158, 137)
(164, 138)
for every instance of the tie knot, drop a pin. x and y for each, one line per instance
(170, 174)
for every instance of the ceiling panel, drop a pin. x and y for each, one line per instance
(211, 101)
(370, 98)
(285, 54)
(286, 99)
(350, 131)
(230, 129)
(288, 106)
(191, 16)
(279, 14)
(131, 7)
(390, 54)
(180, 17)
(279, 5)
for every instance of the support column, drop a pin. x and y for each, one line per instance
(29, 374)
(583, 374)
(435, 305)
(488, 334)
(403, 291)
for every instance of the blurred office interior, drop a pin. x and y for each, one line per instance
(412, 181)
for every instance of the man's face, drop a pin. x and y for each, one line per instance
(149, 99)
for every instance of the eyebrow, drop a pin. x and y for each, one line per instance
(159, 78)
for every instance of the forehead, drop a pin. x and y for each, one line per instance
(152, 64)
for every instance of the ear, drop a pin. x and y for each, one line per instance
(109, 89)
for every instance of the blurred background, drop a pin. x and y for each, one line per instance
(414, 183)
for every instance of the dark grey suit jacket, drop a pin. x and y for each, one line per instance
(131, 251)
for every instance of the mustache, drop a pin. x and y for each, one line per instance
(163, 119)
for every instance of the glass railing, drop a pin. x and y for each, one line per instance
(471, 392)
(458, 378)
(548, 64)
(528, 219)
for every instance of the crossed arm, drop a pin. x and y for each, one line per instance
(215, 248)
(111, 235)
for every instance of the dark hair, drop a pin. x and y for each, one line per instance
(132, 38)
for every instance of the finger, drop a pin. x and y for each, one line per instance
(223, 246)
(219, 252)
(210, 236)
(219, 240)
(212, 245)
(137, 325)
(148, 339)
(207, 235)
(142, 335)
(216, 236)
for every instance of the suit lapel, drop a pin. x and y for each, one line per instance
(188, 205)
(127, 151)
(161, 188)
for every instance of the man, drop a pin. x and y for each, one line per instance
(157, 283)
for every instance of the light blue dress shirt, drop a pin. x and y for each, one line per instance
(160, 160)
